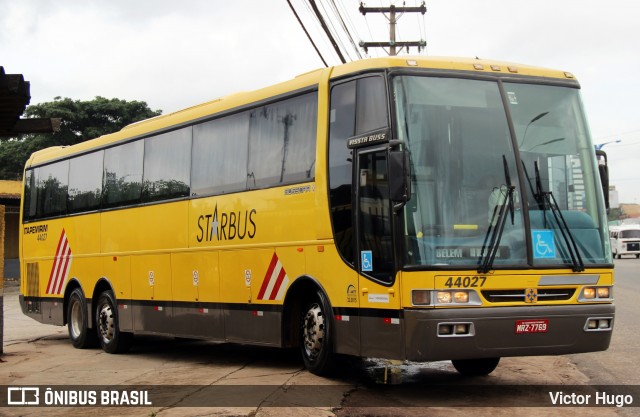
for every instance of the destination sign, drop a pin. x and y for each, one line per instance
(447, 252)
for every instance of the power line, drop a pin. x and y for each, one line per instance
(332, 27)
(307, 33)
(327, 31)
(346, 30)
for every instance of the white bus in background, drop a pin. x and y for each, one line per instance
(625, 240)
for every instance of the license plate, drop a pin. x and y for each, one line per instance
(531, 326)
(633, 246)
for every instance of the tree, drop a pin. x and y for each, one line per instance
(616, 214)
(81, 121)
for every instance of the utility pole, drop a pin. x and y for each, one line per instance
(393, 20)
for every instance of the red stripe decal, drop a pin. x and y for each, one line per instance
(66, 261)
(55, 263)
(278, 284)
(267, 277)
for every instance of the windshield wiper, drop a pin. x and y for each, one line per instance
(496, 224)
(547, 199)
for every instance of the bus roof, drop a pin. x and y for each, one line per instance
(307, 80)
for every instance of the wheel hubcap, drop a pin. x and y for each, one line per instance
(313, 331)
(105, 323)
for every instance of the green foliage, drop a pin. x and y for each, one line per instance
(616, 214)
(81, 121)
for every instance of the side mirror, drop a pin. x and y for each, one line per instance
(603, 170)
(399, 175)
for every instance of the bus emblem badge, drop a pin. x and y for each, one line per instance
(531, 295)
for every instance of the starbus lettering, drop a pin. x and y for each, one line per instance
(226, 225)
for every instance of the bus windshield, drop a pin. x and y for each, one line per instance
(477, 200)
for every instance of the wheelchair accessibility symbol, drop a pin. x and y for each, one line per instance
(367, 260)
(543, 244)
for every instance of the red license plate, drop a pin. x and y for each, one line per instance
(532, 326)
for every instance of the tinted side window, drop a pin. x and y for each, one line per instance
(85, 182)
(167, 165)
(220, 151)
(30, 196)
(342, 118)
(282, 141)
(300, 140)
(123, 174)
(372, 104)
(52, 185)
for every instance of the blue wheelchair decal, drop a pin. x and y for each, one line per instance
(544, 246)
(366, 260)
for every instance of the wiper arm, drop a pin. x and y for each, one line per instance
(495, 232)
(548, 200)
(496, 224)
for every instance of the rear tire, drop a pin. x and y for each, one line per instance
(317, 336)
(475, 367)
(111, 339)
(82, 337)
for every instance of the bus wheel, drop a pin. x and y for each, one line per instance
(82, 337)
(317, 351)
(111, 338)
(475, 367)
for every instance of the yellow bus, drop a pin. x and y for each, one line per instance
(405, 208)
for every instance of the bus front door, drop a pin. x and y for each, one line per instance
(380, 328)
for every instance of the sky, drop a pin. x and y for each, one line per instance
(175, 54)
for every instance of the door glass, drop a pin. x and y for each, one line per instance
(376, 247)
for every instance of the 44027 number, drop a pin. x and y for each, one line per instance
(465, 282)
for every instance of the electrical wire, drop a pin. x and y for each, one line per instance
(327, 31)
(319, 32)
(332, 27)
(307, 33)
(346, 30)
(353, 29)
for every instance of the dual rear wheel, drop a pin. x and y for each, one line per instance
(105, 331)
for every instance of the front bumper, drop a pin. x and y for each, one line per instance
(493, 332)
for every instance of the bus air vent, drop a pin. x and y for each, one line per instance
(519, 295)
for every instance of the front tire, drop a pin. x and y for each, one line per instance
(82, 337)
(475, 367)
(111, 339)
(317, 337)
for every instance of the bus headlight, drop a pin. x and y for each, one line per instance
(457, 297)
(444, 298)
(595, 294)
(461, 297)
